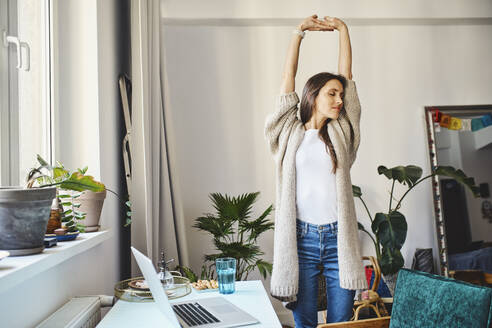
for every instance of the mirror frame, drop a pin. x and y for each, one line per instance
(439, 224)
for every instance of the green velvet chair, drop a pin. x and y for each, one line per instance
(424, 300)
(427, 300)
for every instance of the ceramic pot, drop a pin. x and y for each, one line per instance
(24, 215)
(390, 280)
(91, 203)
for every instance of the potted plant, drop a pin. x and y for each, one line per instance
(390, 228)
(24, 214)
(80, 196)
(234, 235)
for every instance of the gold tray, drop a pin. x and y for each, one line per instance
(123, 291)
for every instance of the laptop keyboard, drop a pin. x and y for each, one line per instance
(194, 314)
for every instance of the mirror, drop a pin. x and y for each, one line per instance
(463, 223)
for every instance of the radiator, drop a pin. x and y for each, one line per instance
(79, 312)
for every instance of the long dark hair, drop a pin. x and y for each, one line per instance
(309, 94)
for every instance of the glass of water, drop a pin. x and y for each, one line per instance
(226, 274)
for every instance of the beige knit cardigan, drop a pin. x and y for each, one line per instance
(284, 132)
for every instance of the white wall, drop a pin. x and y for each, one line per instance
(89, 59)
(223, 78)
(254, 9)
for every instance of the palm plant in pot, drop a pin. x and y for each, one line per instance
(390, 228)
(234, 234)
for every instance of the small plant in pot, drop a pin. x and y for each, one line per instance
(76, 195)
(390, 228)
(65, 213)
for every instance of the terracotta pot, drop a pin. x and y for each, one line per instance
(91, 203)
(55, 216)
(24, 215)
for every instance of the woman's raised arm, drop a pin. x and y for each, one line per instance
(311, 23)
(345, 48)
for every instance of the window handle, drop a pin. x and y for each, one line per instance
(27, 59)
(15, 40)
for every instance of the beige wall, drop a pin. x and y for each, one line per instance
(223, 79)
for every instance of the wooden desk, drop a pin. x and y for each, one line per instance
(250, 296)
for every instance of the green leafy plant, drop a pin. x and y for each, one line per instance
(390, 229)
(70, 185)
(235, 235)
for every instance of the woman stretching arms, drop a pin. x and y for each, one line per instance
(314, 144)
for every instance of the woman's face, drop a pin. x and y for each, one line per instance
(329, 101)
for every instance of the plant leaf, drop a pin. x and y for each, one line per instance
(64, 196)
(218, 227)
(188, 273)
(244, 204)
(459, 176)
(79, 182)
(264, 267)
(59, 172)
(42, 161)
(356, 191)
(391, 229)
(391, 260)
(361, 227)
(407, 175)
(258, 226)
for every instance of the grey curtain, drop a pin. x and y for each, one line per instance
(156, 221)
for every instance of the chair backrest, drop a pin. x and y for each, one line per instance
(426, 300)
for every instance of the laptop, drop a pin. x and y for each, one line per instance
(214, 312)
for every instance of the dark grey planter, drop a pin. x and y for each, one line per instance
(24, 215)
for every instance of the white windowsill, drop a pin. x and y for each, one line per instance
(14, 270)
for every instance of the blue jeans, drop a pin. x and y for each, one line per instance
(317, 251)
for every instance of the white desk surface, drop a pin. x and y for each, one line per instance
(250, 296)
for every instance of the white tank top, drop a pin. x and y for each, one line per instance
(316, 195)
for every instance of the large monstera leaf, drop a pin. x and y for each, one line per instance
(391, 230)
(460, 176)
(407, 175)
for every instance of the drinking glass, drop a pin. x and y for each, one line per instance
(226, 274)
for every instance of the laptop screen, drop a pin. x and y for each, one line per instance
(158, 293)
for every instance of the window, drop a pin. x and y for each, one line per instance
(25, 101)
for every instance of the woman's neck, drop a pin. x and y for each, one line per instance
(314, 123)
